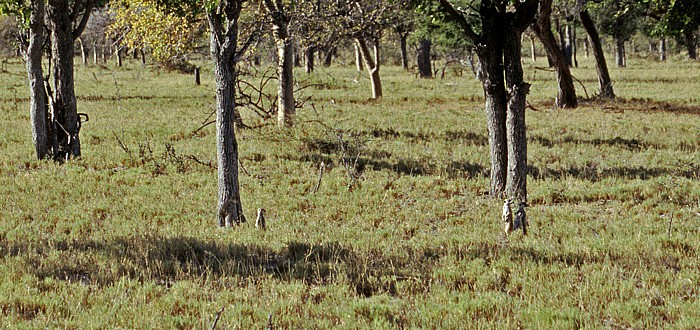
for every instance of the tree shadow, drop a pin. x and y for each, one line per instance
(591, 172)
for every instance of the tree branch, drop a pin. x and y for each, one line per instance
(83, 20)
(455, 15)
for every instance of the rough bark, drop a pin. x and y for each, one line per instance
(38, 106)
(620, 53)
(604, 81)
(285, 64)
(404, 50)
(424, 68)
(309, 54)
(372, 65)
(566, 96)
(517, 89)
(223, 40)
(690, 44)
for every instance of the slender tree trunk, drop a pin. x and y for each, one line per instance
(230, 209)
(586, 48)
(118, 52)
(620, 53)
(604, 81)
(285, 69)
(690, 44)
(533, 50)
(94, 52)
(424, 66)
(83, 52)
(309, 57)
(328, 56)
(404, 50)
(574, 45)
(358, 59)
(662, 49)
(567, 46)
(566, 97)
(297, 57)
(517, 90)
(38, 106)
(143, 57)
(372, 65)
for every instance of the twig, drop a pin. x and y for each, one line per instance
(320, 176)
(203, 126)
(580, 83)
(670, 223)
(216, 320)
(243, 167)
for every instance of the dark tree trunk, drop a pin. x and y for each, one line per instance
(690, 44)
(566, 97)
(604, 81)
(38, 106)
(309, 57)
(424, 68)
(328, 56)
(223, 53)
(404, 50)
(620, 53)
(297, 57)
(143, 57)
(518, 89)
(371, 64)
(662, 49)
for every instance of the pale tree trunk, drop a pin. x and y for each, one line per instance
(94, 52)
(690, 44)
(574, 46)
(533, 50)
(620, 53)
(38, 106)
(566, 97)
(118, 52)
(371, 64)
(83, 52)
(285, 64)
(662, 49)
(64, 106)
(586, 48)
(425, 69)
(223, 40)
(517, 89)
(567, 47)
(358, 59)
(604, 81)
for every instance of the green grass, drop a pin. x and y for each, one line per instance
(128, 240)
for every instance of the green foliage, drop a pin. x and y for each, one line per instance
(18, 8)
(619, 19)
(122, 239)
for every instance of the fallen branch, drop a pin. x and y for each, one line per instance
(216, 320)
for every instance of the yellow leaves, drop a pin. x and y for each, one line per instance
(139, 23)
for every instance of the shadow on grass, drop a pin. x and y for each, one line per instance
(591, 172)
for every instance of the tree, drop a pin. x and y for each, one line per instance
(619, 19)
(281, 18)
(566, 97)
(501, 24)
(676, 18)
(604, 82)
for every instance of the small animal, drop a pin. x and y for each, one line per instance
(260, 221)
(507, 216)
(521, 218)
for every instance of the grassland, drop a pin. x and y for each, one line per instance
(125, 237)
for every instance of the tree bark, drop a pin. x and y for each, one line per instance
(425, 69)
(309, 59)
(94, 52)
(38, 106)
(566, 97)
(604, 81)
(285, 64)
(118, 52)
(328, 56)
(533, 50)
(662, 49)
(223, 53)
(690, 44)
(518, 89)
(620, 53)
(358, 59)
(83, 52)
(371, 64)
(404, 50)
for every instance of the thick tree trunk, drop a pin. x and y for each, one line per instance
(371, 64)
(518, 89)
(65, 111)
(566, 97)
(404, 50)
(285, 69)
(620, 53)
(38, 106)
(604, 81)
(425, 69)
(230, 209)
(309, 59)
(662, 49)
(690, 44)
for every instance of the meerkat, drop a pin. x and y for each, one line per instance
(260, 221)
(507, 216)
(521, 218)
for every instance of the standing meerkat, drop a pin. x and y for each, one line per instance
(260, 221)
(507, 217)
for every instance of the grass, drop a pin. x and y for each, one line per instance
(125, 237)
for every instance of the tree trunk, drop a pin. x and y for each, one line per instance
(690, 44)
(143, 57)
(567, 46)
(230, 210)
(297, 57)
(358, 59)
(574, 46)
(566, 97)
(309, 57)
(425, 69)
(662, 49)
(619, 52)
(518, 89)
(118, 51)
(328, 56)
(533, 50)
(94, 52)
(604, 81)
(65, 111)
(285, 69)
(83, 52)
(404, 50)
(586, 48)
(38, 106)
(372, 65)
